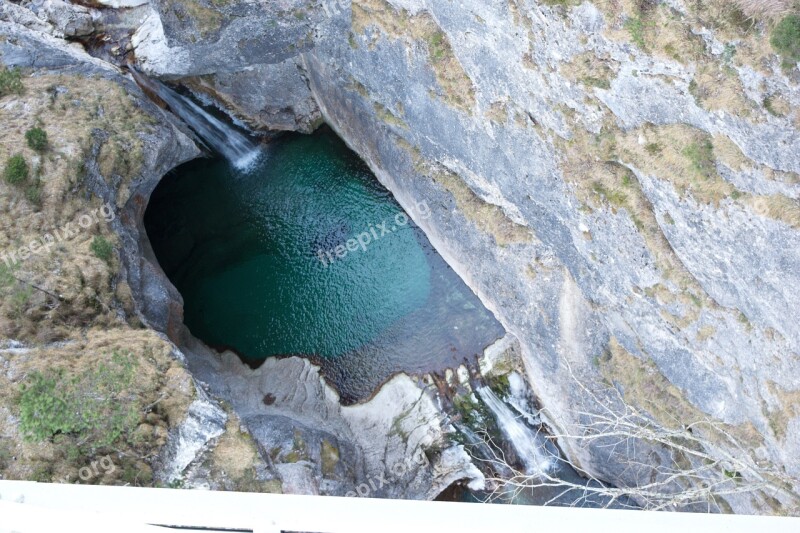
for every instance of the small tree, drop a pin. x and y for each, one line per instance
(37, 139)
(16, 170)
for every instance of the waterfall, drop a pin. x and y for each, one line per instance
(236, 147)
(530, 446)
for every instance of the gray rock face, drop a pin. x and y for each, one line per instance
(70, 20)
(477, 127)
(204, 422)
(385, 447)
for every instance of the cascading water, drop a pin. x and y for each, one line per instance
(530, 446)
(236, 147)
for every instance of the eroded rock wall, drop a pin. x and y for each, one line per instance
(618, 181)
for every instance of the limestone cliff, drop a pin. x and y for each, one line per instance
(617, 180)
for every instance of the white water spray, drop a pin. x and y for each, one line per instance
(530, 446)
(236, 147)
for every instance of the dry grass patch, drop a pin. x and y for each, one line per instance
(788, 408)
(234, 461)
(498, 112)
(730, 155)
(776, 105)
(590, 70)
(489, 218)
(776, 207)
(457, 88)
(203, 18)
(591, 164)
(80, 115)
(767, 9)
(718, 88)
(645, 387)
(680, 154)
(386, 115)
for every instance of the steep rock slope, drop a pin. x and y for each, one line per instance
(73, 277)
(617, 180)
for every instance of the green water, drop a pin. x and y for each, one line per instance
(254, 256)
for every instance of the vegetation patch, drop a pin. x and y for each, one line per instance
(766, 9)
(36, 139)
(204, 19)
(16, 170)
(591, 70)
(457, 88)
(645, 387)
(79, 116)
(234, 461)
(785, 38)
(776, 105)
(788, 407)
(102, 248)
(95, 406)
(388, 117)
(718, 88)
(115, 392)
(488, 218)
(10, 82)
(636, 28)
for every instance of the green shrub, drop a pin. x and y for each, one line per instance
(16, 170)
(10, 82)
(102, 248)
(94, 405)
(786, 38)
(37, 139)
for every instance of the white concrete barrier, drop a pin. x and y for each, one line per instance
(30, 507)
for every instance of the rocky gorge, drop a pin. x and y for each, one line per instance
(616, 180)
